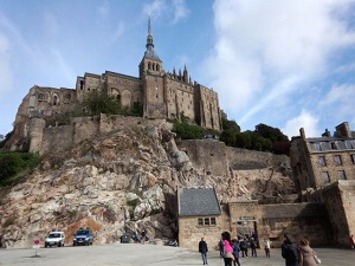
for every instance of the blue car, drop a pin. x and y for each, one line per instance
(83, 237)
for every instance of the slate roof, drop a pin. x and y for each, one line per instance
(198, 202)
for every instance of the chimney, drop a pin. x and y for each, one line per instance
(343, 130)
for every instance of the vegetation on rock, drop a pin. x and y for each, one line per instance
(14, 166)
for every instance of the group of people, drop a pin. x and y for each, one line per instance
(294, 255)
(298, 255)
(231, 248)
(142, 239)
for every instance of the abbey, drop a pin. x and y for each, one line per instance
(163, 95)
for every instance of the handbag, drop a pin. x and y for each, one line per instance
(228, 255)
(316, 259)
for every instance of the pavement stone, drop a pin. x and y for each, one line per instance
(146, 255)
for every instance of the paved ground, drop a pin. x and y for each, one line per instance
(139, 255)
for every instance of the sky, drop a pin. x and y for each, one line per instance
(286, 64)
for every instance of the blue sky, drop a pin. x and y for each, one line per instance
(287, 64)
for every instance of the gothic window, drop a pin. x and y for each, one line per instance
(321, 161)
(337, 160)
(67, 99)
(149, 66)
(341, 175)
(55, 100)
(158, 68)
(326, 177)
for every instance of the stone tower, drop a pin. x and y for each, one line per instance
(152, 75)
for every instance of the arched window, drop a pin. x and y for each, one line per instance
(55, 100)
(149, 65)
(158, 68)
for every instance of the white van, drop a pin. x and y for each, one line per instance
(54, 238)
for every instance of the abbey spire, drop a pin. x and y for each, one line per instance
(150, 52)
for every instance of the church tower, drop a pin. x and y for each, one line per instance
(152, 74)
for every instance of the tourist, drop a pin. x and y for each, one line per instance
(267, 247)
(143, 236)
(289, 251)
(235, 246)
(203, 249)
(253, 245)
(228, 249)
(306, 254)
(243, 247)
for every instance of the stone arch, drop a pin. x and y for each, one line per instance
(137, 97)
(55, 99)
(126, 98)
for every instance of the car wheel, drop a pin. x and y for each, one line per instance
(59, 244)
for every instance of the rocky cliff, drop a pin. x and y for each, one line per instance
(125, 180)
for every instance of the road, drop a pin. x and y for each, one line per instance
(146, 255)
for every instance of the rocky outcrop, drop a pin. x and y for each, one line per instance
(123, 181)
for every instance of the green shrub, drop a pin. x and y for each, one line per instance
(16, 165)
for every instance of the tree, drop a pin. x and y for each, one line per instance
(97, 102)
(273, 134)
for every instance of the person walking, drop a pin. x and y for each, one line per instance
(306, 254)
(267, 247)
(253, 245)
(228, 249)
(203, 249)
(235, 246)
(243, 247)
(289, 251)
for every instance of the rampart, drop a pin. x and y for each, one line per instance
(273, 220)
(44, 140)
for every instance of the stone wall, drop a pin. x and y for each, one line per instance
(190, 233)
(273, 220)
(208, 155)
(339, 199)
(49, 139)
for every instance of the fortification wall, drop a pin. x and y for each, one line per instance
(49, 139)
(57, 138)
(273, 220)
(208, 155)
(339, 199)
(242, 159)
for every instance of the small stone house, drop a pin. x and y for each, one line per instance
(199, 214)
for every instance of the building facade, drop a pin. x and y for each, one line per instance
(163, 95)
(317, 162)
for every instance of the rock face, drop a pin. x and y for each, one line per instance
(125, 181)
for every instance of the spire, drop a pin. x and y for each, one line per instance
(150, 53)
(149, 36)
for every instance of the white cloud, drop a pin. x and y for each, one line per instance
(341, 96)
(155, 9)
(265, 50)
(118, 32)
(306, 120)
(180, 10)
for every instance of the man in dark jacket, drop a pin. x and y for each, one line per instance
(289, 251)
(203, 249)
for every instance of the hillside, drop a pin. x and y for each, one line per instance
(125, 180)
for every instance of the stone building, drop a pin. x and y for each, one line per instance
(324, 171)
(161, 94)
(199, 216)
(317, 162)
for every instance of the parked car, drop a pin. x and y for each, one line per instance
(55, 238)
(83, 237)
